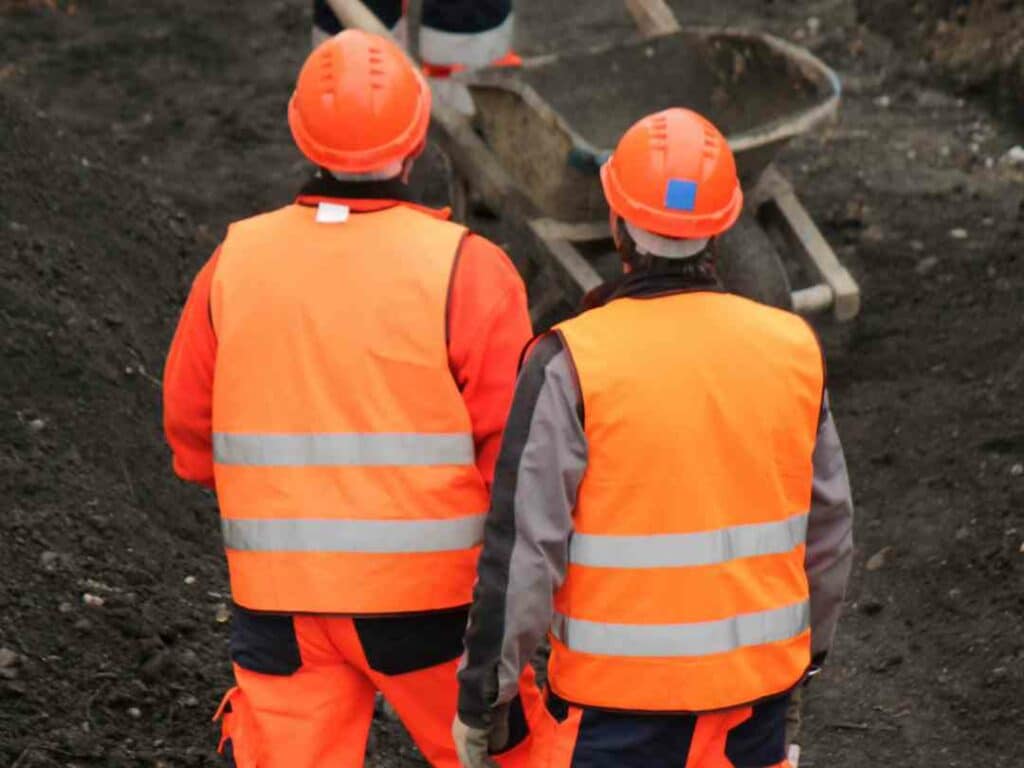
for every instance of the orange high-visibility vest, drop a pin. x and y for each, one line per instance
(686, 588)
(343, 452)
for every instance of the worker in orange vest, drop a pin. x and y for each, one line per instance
(671, 504)
(341, 375)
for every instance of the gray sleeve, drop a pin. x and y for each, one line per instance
(526, 540)
(829, 535)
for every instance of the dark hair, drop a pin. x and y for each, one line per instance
(701, 266)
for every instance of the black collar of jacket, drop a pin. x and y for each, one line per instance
(649, 285)
(324, 185)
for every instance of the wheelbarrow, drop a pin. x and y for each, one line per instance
(553, 122)
(534, 167)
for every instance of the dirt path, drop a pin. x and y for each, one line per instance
(131, 135)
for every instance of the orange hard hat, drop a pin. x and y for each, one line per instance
(359, 104)
(673, 174)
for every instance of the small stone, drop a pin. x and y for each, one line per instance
(49, 561)
(1015, 156)
(36, 425)
(883, 102)
(83, 625)
(959, 233)
(93, 601)
(134, 712)
(916, 245)
(955, 592)
(221, 614)
(190, 702)
(190, 580)
(65, 607)
(874, 234)
(962, 533)
(8, 658)
(878, 559)
(8, 673)
(1017, 470)
(926, 265)
(814, 25)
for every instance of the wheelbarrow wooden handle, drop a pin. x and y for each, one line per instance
(653, 17)
(470, 156)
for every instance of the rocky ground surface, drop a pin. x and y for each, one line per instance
(131, 134)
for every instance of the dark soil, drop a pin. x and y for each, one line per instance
(132, 133)
(977, 46)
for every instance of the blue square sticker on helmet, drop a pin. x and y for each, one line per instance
(681, 195)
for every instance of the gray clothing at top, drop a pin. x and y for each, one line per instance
(526, 541)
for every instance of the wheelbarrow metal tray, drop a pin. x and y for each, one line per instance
(551, 121)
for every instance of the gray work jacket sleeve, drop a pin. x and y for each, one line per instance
(829, 535)
(526, 539)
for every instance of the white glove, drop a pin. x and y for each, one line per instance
(475, 746)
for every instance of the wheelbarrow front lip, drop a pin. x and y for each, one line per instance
(787, 127)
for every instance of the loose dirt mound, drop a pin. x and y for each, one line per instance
(977, 45)
(94, 271)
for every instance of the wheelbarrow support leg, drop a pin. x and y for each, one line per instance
(774, 197)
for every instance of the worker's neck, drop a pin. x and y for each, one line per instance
(326, 185)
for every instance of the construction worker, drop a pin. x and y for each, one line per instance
(671, 504)
(455, 35)
(341, 375)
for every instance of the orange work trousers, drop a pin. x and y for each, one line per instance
(581, 737)
(316, 711)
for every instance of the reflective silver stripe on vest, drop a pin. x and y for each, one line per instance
(345, 449)
(364, 536)
(696, 639)
(674, 550)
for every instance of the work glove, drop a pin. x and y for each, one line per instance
(475, 746)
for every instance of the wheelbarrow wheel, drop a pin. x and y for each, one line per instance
(750, 265)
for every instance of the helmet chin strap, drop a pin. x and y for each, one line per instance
(665, 247)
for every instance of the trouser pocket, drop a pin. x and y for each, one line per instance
(398, 645)
(239, 735)
(264, 642)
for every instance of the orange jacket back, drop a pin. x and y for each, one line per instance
(343, 452)
(686, 588)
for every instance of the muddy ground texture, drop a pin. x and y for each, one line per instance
(132, 133)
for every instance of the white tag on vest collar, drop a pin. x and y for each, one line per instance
(331, 213)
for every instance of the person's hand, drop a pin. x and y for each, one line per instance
(475, 746)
